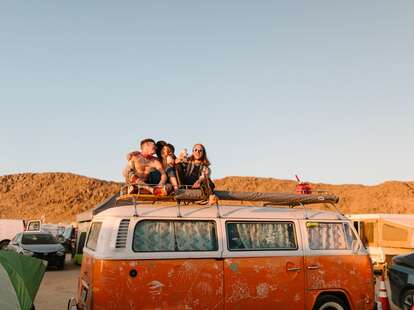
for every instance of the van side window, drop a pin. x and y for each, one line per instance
(248, 236)
(175, 236)
(93, 235)
(329, 236)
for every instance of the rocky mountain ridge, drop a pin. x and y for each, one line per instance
(60, 196)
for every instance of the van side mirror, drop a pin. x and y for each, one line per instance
(356, 246)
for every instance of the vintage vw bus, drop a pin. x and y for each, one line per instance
(145, 256)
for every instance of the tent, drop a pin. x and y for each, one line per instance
(20, 278)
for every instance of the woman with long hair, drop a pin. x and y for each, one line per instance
(195, 170)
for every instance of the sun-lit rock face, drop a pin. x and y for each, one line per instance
(60, 196)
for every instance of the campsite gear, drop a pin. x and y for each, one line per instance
(143, 255)
(385, 235)
(20, 278)
(271, 198)
(188, 195)
(303, 187)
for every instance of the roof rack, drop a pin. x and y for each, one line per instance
(187, 195)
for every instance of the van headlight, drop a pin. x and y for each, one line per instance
(61, 252)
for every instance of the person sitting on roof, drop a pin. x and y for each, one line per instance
(144, 169)
(165, 153)
(195, 170)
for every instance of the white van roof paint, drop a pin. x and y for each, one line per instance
(200, 211)
(111, 218)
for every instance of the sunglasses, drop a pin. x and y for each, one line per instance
(198, 150)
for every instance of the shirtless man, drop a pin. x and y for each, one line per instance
(143, 168)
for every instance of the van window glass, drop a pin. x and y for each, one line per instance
(328, 236)
(175, 236)
(93, 235)
(81, 242)
(350, 235)
(261, 236)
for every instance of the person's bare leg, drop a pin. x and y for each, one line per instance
(174, 183)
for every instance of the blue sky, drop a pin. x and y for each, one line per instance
(323, 89)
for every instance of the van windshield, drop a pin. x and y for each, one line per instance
(38, 239)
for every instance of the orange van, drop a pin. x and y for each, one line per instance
(223, 257)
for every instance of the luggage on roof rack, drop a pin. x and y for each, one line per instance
(193, 195)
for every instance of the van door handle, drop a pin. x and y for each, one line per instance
(313, 267)
(294, 269)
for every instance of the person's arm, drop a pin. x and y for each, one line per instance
(160, 168)
(206, 172)
(182, 156)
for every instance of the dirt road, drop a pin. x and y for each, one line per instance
(57, 286)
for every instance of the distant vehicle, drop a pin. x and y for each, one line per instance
(55, 229)
(385, 235)
(68, 239)
(401, 275)
(40, 245)
(10, 227)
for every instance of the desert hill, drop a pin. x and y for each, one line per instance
(60, 196)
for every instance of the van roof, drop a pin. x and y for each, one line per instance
(204, 211)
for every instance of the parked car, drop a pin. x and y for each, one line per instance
(41, 245)
(401, 275)
(10, 227)
(223, 257)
